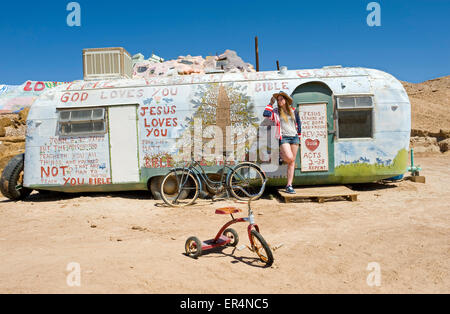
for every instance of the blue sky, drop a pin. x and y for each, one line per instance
(412, 43)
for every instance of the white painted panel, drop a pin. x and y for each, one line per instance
(123, 144)
(314, 140)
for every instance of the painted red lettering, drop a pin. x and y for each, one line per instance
(65, 97)
(27, 87)
(41, 86)
(143, 111)
(47, 173)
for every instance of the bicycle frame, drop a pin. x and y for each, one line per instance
(201, 176)
(236, 220)
(250, 219)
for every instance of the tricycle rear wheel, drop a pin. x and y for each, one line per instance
(232, 235)
(193, 247)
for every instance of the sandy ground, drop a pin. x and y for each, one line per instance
(126, 243)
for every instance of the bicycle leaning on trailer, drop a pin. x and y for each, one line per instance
(182, 185)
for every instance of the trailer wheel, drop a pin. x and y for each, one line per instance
(11, 182)
(155, 187)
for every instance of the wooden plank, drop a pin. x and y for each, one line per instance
(417, 179)
(320, 194)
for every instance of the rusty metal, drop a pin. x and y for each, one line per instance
(257, 53)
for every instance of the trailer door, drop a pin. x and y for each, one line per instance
(123, 141)
(315, 161)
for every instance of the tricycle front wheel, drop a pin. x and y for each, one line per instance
(261, 248)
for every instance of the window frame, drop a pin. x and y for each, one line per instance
(71, 121)
(356, 108)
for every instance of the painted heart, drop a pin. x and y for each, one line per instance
(312, 144)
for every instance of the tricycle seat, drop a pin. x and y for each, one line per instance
(227, 210)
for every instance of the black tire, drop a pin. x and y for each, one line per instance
(266, 256)
(155, 187)
(193, 247)
(215, 177)
(12, 179)
(45, 192)
(253, 184)
(233, 235)
(169, 188)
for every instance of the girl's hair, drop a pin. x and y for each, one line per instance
(283, 113)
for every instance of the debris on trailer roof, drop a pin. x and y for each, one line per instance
(139, 57)
(228, 61)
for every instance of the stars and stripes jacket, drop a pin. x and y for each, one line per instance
(273, 115)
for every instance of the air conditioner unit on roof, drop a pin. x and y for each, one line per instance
(106, 63)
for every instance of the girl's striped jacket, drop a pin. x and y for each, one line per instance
(273, 114)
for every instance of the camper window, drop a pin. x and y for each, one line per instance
(355, 116)
(81, 121)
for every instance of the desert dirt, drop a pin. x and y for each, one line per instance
(130, 243)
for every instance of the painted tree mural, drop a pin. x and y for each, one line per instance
(222, 105)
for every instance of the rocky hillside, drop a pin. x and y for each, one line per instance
(430, 120)
(430, 103)
(12, 136)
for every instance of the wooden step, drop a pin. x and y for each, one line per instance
(319, 194)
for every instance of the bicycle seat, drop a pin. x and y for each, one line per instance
(227, 210)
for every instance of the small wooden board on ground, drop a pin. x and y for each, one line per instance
(319, 194)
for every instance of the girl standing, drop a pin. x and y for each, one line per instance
(288, 126)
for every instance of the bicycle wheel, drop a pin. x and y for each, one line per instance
(246, 180)
(261, 248)
(179, 188)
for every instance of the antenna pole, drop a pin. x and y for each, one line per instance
(257, 53)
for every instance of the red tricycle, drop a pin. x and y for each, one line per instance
(229, 237)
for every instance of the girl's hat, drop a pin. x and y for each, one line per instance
(286, 96)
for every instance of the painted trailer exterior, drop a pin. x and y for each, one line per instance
(119, 134)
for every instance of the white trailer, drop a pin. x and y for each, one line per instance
(123, 134)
